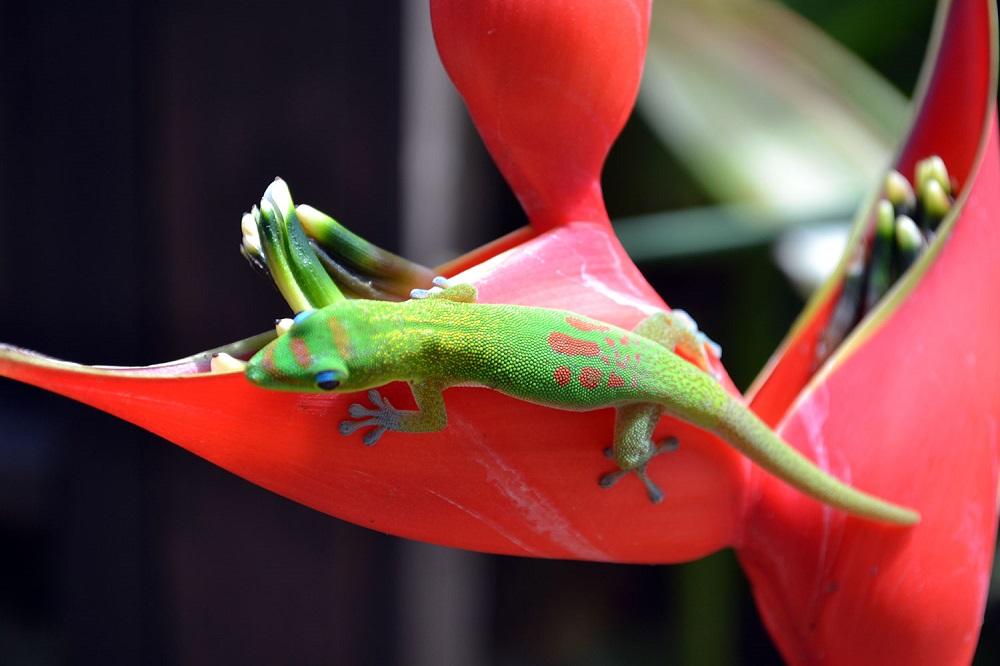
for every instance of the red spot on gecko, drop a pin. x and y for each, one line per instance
(562, 375)
(564, 344)
(610, 341)
(590, 378)
(581, 325)
(614, 381)
(607, 361)
(300, 350)
(624, 340)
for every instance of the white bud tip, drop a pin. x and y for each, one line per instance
(223, 362)
(278, 192)
(282, 326)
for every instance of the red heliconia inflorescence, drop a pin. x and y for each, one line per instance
(908, 410)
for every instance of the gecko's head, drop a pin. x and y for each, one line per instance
(306, 356)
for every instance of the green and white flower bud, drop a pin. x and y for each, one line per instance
(932, 169)
(880, 264)
(900, 193)
(936, 204)
(909, 242)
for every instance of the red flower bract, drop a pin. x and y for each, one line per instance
(549, 84)
(907, 409)
(910, 407)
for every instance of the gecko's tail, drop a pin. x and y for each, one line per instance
(762, 445)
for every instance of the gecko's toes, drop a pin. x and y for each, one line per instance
(611, 478)
(358, 411)
(371, 437)
(378, 399)
(348, 427)
(652, 490)
(667, 445)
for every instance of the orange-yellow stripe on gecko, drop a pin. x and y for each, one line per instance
(300, 350)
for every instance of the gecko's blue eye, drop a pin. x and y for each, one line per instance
(302, 316)
(327, 380)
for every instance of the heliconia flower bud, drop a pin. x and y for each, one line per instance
(936, 203)
(549, 85)
(880, 270)
(909, 241)
(930, 170)
(899, 192)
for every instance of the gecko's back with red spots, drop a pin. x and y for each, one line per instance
(551, 357)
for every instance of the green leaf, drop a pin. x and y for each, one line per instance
(765, 109)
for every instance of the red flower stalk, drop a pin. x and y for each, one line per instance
(549, 84)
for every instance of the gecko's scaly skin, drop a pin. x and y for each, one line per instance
(550, 357)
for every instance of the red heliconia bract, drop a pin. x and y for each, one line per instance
(907, 410)
(910, 407)
(549, 84)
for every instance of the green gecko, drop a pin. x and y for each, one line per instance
(442, 337)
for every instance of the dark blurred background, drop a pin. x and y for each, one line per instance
(132, 137)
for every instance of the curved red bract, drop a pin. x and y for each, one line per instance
(505, 477)
(910, 413)
(549, 85)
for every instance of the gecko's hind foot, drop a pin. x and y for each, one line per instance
(652, 490)
(382, 418)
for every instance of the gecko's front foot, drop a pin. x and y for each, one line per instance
(652, 490)
(382, 418)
